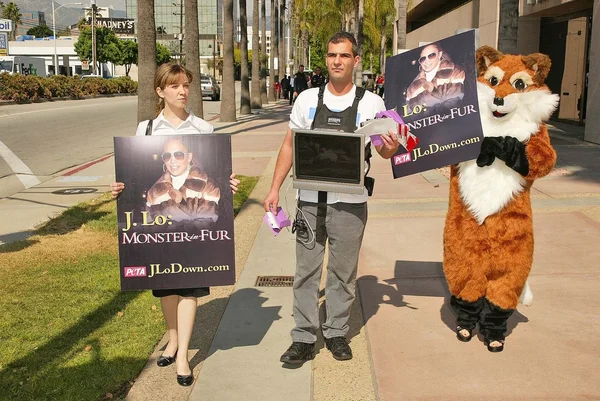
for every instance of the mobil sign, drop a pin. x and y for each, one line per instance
(5, 25)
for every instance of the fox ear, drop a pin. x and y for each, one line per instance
(484, 56)
(540, 64)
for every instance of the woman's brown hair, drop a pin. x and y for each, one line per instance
(167, 74)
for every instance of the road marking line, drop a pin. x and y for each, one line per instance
(23, 173)
(83, 167)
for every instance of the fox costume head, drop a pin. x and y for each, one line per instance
(513, 99)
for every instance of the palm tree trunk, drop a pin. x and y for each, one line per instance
(263, 52)
(382, 57)
(228, 99)
(272, 53)
(192, 56)
(401, 25)
(281, 40)
(147, 99)
(359, 41)
(245, 96)
(256, 100)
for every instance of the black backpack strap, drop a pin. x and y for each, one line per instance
(149, 128)
(319, 105)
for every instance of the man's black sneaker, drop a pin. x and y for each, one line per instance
(298, 353)
(339, 348)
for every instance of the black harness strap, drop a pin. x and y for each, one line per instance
(149, 128)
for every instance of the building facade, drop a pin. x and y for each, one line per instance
(170, 25)
(562, 29)
(30, 19)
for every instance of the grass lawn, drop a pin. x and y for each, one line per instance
(67, 332)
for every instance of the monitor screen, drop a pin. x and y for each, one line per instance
(328, 161)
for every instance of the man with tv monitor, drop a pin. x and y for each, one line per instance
(338, 218)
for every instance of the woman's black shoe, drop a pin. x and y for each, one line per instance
(461, 337)
(185, 380)
(498, 348)
(163, 361)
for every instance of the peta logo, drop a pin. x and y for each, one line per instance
(403, 158)
(135, 271)
(5, 25)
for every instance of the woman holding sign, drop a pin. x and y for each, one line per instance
(178, 305)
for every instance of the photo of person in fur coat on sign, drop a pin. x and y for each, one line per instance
(488, 235)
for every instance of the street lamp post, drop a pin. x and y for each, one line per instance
(55, 59)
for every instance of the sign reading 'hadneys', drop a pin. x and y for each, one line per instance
(117, 25)
(434, 90)
(175, 215)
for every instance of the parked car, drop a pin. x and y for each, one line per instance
(90, 76)
(210, 87)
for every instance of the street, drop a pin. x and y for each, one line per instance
(41, 139)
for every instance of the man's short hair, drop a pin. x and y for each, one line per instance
(301, 65)
(342, 36)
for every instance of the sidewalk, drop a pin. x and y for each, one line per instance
(402, 331)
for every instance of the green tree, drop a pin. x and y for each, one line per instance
(108, 48)
(163, 55)
(40, 31)
(11, 11)
(129, 54)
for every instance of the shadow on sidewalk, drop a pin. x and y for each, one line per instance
(415, 279)
(247, 328)
(69, 220)
(276, 117)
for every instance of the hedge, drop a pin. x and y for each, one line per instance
(32, 88)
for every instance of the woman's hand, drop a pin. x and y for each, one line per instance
(116, 188)
(233, 183)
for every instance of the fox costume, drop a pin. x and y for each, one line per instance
(488, 235)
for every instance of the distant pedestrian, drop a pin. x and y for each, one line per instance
(300, 82)
(317, 79)
(285, 86)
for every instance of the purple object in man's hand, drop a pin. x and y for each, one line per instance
(392, 113)
(281, 218)
(376, 140)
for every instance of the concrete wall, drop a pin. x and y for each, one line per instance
(509, 25)
(464, 17)
(489, 22)
(592, 124)
(528, 39)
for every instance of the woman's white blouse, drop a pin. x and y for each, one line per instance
(160, 126)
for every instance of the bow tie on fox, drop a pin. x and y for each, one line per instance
(488, 235)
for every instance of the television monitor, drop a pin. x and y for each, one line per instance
(330, 161)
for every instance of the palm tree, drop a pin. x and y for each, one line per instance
(192, 56)
(263, 52)
(256, 98)
(146, 60)
(272, 53)
(400, 32)
(281, 39)
(245, 96)
(11, 11)
(228, 100)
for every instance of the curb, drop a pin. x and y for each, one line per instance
(63, 99)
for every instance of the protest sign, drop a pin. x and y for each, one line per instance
(433, 88)
(175, 215)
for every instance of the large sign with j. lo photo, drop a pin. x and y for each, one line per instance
(175, 215)
(433, 88)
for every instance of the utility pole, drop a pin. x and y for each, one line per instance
(180, 30)
(214, 58)
(94, 9)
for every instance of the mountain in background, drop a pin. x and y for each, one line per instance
(65, 16)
